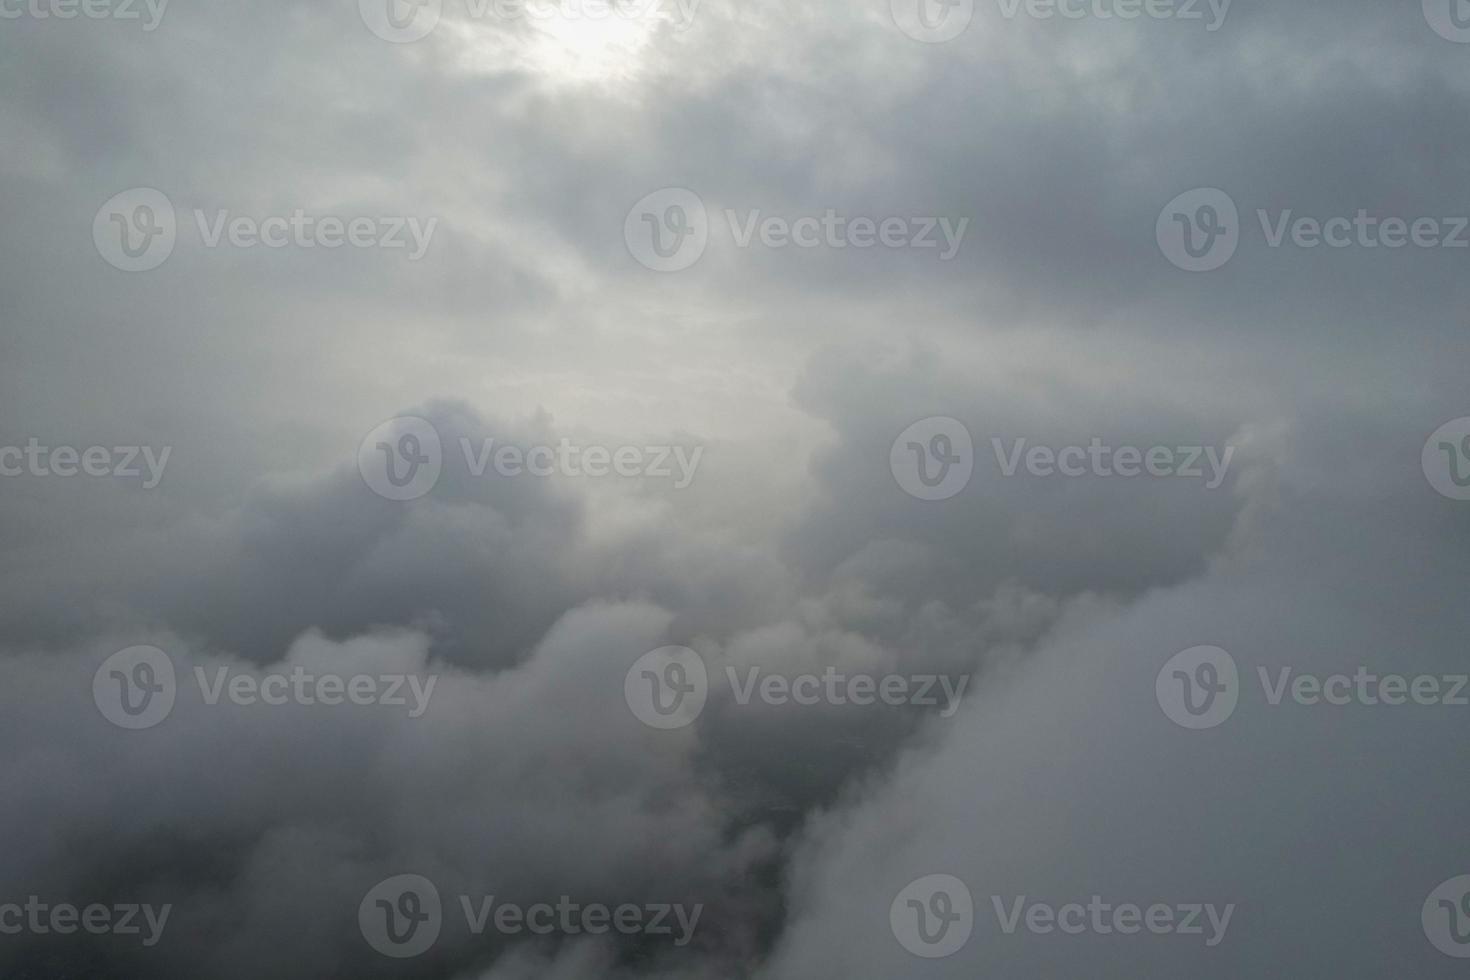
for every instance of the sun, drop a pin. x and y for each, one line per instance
(564, 41)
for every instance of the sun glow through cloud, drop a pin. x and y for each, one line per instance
(566, 42)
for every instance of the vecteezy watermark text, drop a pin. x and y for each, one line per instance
(668, 688)
(90, 9)
(301, 686)
(121, 919)
(838, 688)
(934, 917)
(1096, 459)
(1211, 12)
(37, 460)
(1200, 688)
(403, 458)
(570, 460)
(136, 230)
(403, 916)
(934, 459)
(1200, 230)
(937, 21)
(669, 230)
(136, 688)
(1105, 918)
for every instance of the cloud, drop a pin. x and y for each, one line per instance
(795, 549)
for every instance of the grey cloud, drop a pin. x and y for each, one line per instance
(527, 320)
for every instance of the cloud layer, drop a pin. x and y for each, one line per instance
(794, 550)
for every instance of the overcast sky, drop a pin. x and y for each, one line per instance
(1097, 366)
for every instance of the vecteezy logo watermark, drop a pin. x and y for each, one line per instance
(932, 21)
(1200, 687)
(667, 688)
(403, 458)
(136, 230)
(401, 21)
(933, 916)
(34, 459)
(668, 231)
(1446, 917)
(90, 9)
(404, 21)
(42, 918)
(834, 687)
(1199, 230)
(1446, 459)
(403, 916)
(1449, 18)
(136, 688)
(933, 459)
